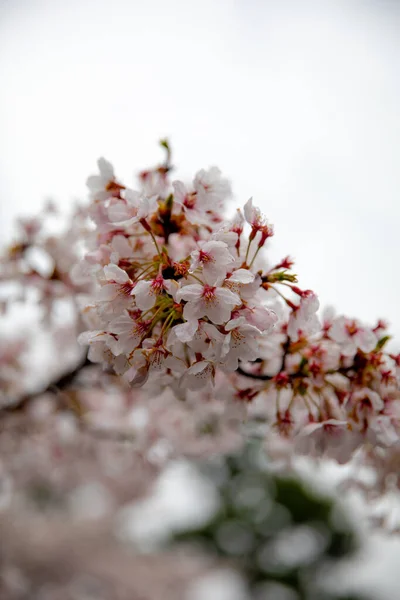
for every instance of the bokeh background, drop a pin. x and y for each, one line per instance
(297, 102)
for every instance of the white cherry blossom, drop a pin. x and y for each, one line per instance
(96, 340)
(132, 209)
(351, 336)
(103, 185)
(130, 332)
(304, 321)
(119, 286)
(261, 317)
(191, 204)
(332, 438)
(214, 258)
(258, 222)
(147, 292)
(241, 343)
(207, 341)
(212, 189)
(216, 303)
(199, 376)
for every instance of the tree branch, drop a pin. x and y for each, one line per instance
(61, 383)
(260, 377)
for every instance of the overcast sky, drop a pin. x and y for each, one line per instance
(297, 102)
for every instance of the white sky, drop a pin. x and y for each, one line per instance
(297, 103)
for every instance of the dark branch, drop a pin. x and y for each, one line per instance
(60, 384)
(260, 377)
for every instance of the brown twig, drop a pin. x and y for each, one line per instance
(61, 383)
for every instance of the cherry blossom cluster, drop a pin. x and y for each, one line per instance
(170, 297)
(36, 265)
(179, 291)
(332, 392)
(186, 301)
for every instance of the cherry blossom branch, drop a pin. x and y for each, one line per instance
(58, 385)
(258, 376)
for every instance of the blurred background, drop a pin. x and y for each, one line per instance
(298, 103)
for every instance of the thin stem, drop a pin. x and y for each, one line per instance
(155, 243)
(197, 278)
(278, 406)
(279, 293)
(288, 302)
(160, 309)
(167, 323)
(254, 257)
(145, 271)
(247, 251)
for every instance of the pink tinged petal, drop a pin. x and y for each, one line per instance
(127, 222)
(180, 191)
(87, 337)
(338, 330)
(190, 292)
(230, 362)
(94, 182)
(366, 340)
(106, 169)
(309, 304)
(265, 319)
(218, 249)
(242, 276)
(214, 274)
(211, 187)
(119, 211)
(376, 400)
(185, 331)
(80, 272)
(199, 375)
(113, 345)
(137, 376)
(108, 292)
(213, 334)
(144, 297)
(229, 237)
(199, 367)
(172, 287)
(114, 273)
(226, 345)
(193, 311)
(348, 347)
(133, 197)
(227, 297)
(121, 246)
(217, 312)
(122, 324)
(332, 429)
(195, 215)
(147, 206)
(249, 211)
(128, 343)
(96, 352)
(384, 430)
(176, 365)
(195, 260)
(235, 323)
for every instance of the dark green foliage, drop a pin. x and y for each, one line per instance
(275, 529)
